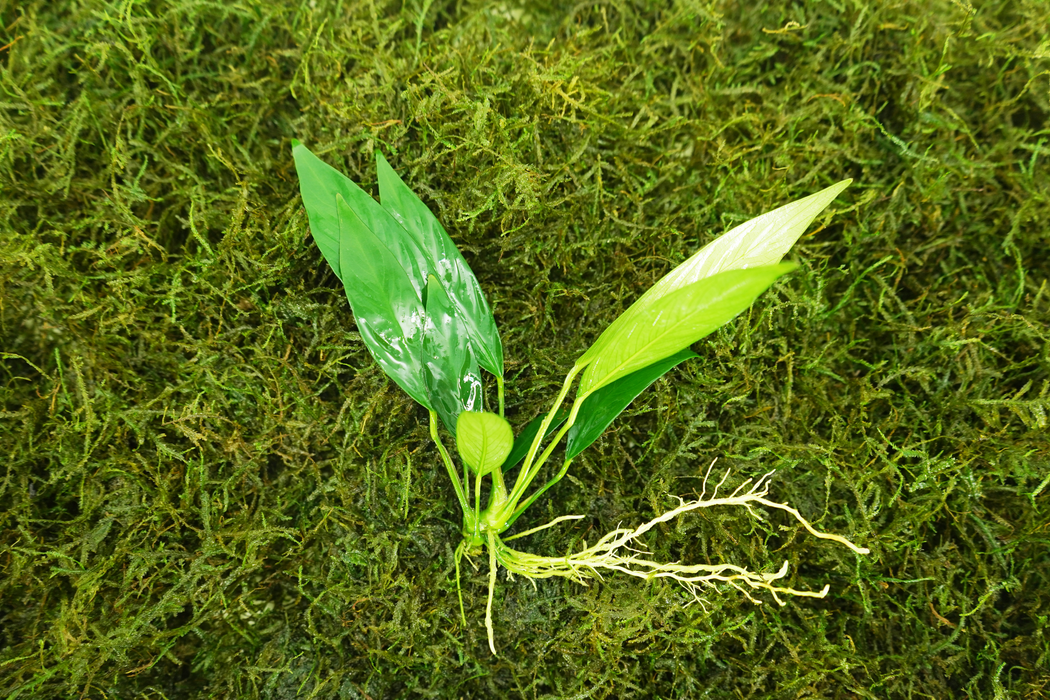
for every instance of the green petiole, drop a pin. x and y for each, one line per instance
(499, 393)
(532, 499)
(448, 462)
(525, 475)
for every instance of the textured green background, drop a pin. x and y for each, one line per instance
(205, 491)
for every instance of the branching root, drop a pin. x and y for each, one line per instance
(620, 551)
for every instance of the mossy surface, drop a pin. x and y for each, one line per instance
(210, 490)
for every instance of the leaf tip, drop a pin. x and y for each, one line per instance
(839, 186)
(381, 160)
(782, 269)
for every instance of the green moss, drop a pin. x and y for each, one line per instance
(205, 492)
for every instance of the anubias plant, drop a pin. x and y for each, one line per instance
(425, 320)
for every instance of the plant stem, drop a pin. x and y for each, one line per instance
(459, 588)
(499, 489)
(492, 591)
(448, 463)
(554, 443)
(499, 393)
(532, 499)
(408, 482)
(524, 478)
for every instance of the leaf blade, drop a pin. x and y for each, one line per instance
(446, 262)
(319, 184)
(760, 242)
(450, 371)
(673, 322)
(483, 440)
(602, 407)
(383, 300)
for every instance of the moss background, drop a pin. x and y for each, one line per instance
(210, 490)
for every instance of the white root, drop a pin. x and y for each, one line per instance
(620, 551)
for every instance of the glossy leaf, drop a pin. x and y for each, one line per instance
(764, 240)
(389, 315)
(483, 439)
(759, 242)
(444, 261)
(523, 442)
(319, 184)
(450, 371)
(601, 408)
(672, 323)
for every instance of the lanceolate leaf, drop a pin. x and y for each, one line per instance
(761, 241)
(601, 408)
(389, 315)
(483, 440)
(450, 371)
(320, 184)
(523, 442)
(672, 323)
(444, 261)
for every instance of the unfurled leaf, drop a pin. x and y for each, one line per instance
(483, 439)
(672, 323)
(759, 242)
(444, 261)
(319, 184)
(523, 442)
(389, 315)
(450, 372)
(601, 408)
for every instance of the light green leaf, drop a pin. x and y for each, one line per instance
(484, 440)
(389, 315)
(320, 184)
(450, 372)
(445, 261)
(672, 323)
(758, 242)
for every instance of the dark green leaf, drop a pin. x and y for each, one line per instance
(389, 315)
(601, 408)
(672, 322)
(446, 262)
(523, 442)
(450, 371)
(319, 184)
